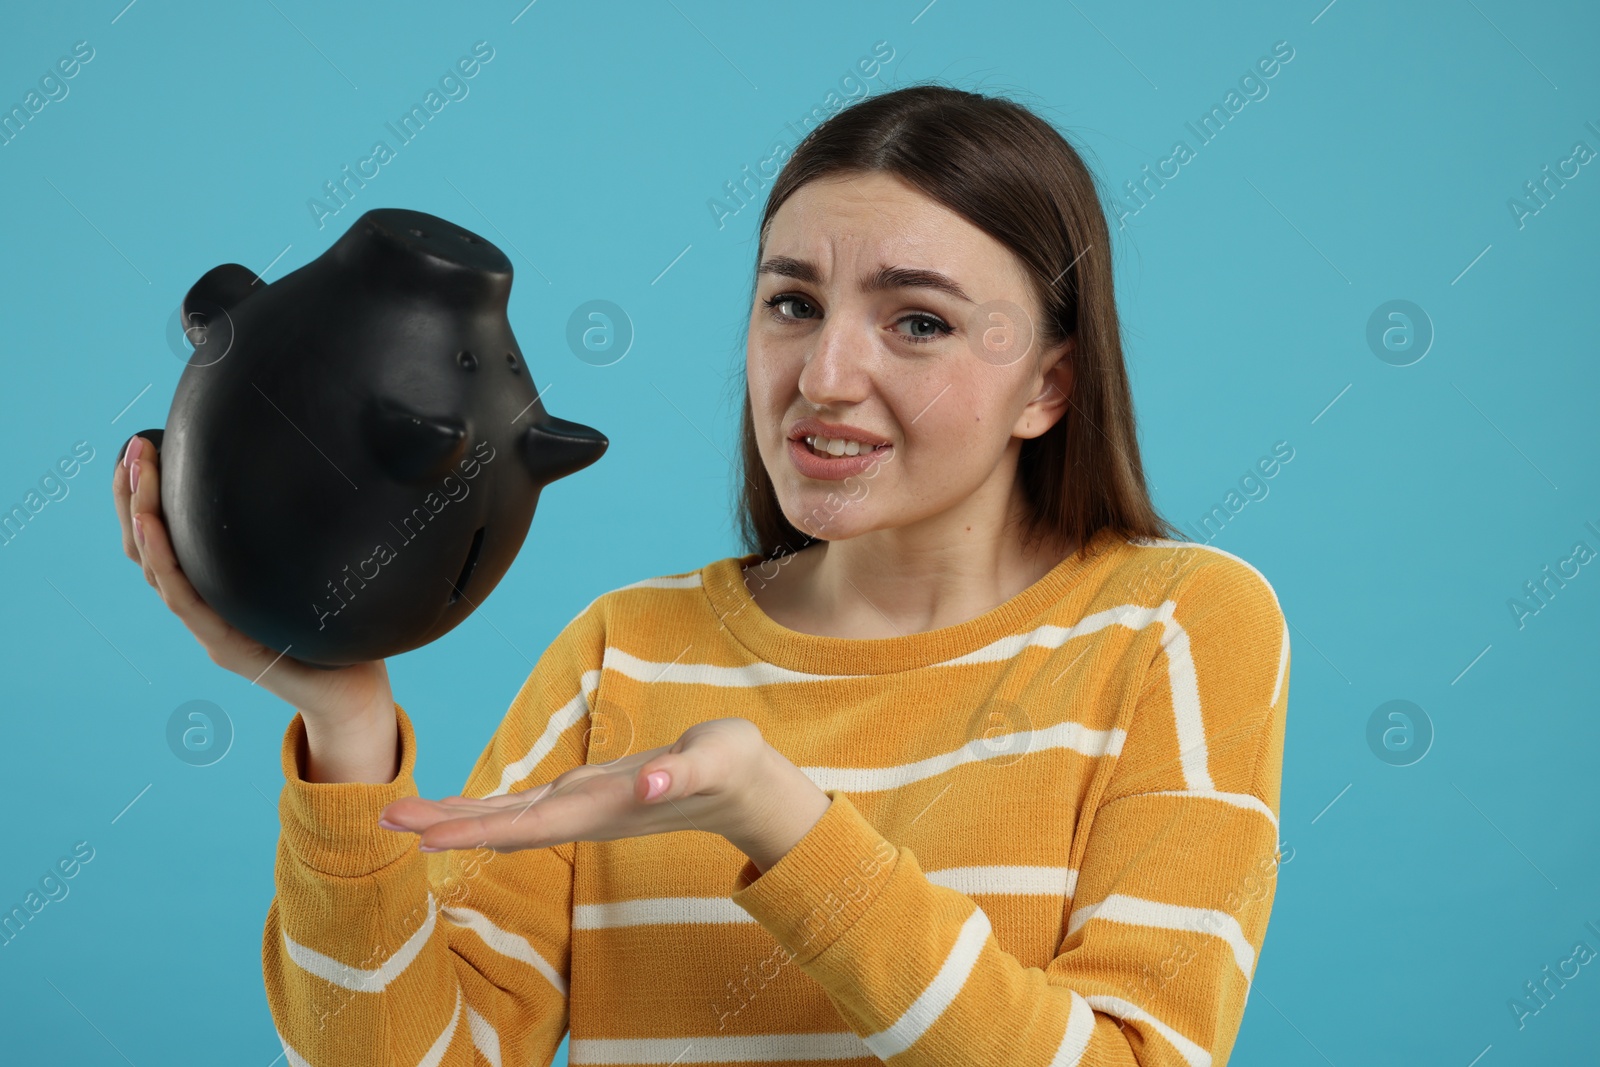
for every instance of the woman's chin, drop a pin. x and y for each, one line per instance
(828, 521)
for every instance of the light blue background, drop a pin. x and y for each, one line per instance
(1379, 167)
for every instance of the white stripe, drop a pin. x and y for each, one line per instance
(1049, 636)
(484, 1038)
(1283, 645)
(1007, 881)
(1073, 735)
(654, 911)
(506, 943)
(752, 1048)
(357, 979)
(662, 911)
(1132, 616)
(744, 677)
(1080, 1028)
(939, 994)
(1238, 800)
(1184, 685)
(569, 714)
(1192, 1053)
(1283, 664)
(1137, 911)
(435, 1054)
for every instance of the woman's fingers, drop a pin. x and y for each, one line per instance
(136, 491)
(226, 646)
(517, 820)
(561, 818)
(175, 590)
(417, 813)
(144, 501)
(412, 808)
(120, 496)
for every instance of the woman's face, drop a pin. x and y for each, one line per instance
(898, 319)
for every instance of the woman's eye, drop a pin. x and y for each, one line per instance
(923, 327)
(775, 302)
(926, 327)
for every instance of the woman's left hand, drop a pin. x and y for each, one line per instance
(721, 776)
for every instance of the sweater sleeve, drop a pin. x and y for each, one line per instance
(375, 952)
(1175, 879)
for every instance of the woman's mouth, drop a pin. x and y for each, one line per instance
(831, 459)
(837, 446)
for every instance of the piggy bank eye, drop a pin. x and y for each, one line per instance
(467, 360)
(511, 361)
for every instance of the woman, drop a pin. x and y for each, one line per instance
(963, 762)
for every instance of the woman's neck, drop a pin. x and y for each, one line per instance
(873, 587)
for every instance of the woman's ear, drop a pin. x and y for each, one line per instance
(1055, 392)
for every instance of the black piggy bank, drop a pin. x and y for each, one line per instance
(355, 451)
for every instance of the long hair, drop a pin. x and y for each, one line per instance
(1013, 176)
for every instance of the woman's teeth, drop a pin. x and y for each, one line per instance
(833, 446)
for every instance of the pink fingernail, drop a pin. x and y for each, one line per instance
(133, 477)
(131, 453)
(138, 528)
(658, 782)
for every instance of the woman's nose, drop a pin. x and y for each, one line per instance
(836, 367)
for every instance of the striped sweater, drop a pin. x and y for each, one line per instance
(1051, 839)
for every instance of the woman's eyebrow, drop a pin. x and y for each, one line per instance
(884, 278)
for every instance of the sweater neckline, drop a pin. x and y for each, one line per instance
(725, 585)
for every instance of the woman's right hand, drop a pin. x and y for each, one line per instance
(345, 704)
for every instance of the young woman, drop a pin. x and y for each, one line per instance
(965, 761)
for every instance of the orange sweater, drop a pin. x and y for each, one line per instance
(1051, 840)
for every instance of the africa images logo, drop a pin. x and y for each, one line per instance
(453, 489)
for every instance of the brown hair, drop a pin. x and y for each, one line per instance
(1012, 175)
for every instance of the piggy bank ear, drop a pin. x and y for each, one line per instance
(410, 446)
(555, 448)
(206, 322)
(220, 289)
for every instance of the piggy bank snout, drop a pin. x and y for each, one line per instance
(556, 447)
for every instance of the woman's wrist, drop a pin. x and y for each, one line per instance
(364, 747)
(783, 808)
